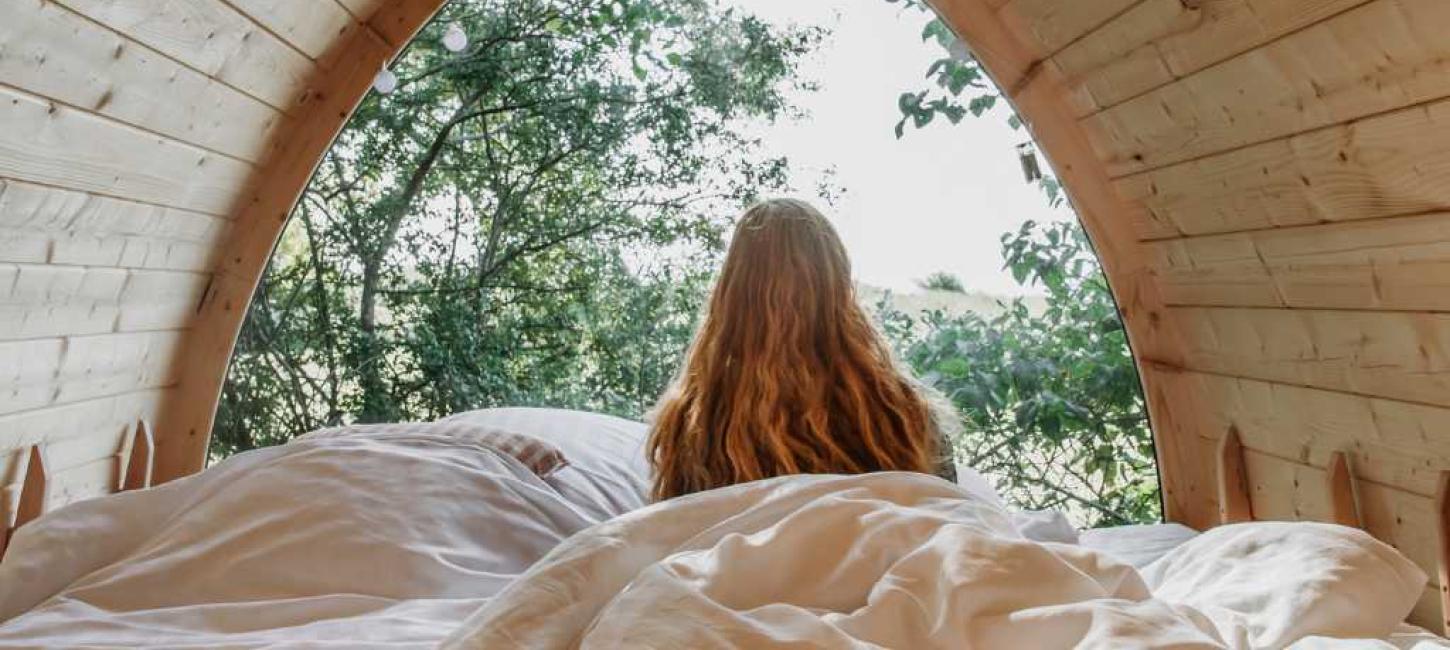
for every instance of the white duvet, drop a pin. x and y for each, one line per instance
(418, 535)
(907, 561)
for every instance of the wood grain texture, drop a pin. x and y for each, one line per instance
(1390, 443)
(1389, 165)
(60, 55)
(139, 458)
(1396, 355)
(1343, 497)
(309, 26)
(1378, 57)
(1391, 264)
(52, 144)
(1442, 530)
(210, 37)
(1046, 26)
(1159, 41)
(1234, 503)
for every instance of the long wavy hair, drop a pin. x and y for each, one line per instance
(787, 374)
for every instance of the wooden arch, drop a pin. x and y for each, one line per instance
(1266, 182)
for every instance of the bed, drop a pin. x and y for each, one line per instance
(527, 528)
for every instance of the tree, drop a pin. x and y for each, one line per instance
(475, 237)
(942, 281)
(1051, 402)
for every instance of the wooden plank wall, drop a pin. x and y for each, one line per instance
(135, 136)
(1277, 171)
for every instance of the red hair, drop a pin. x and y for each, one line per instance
(787, 374)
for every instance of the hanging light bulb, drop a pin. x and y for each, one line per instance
(455, 39)
(386, 82)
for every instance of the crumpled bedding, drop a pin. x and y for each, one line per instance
(416, 535)
(378, 536)
(897, 560)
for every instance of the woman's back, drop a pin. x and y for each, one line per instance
(787, 374)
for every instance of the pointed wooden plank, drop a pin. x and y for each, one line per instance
(35, 491)
(139, 461)
(1442, 510)
(1343, 498)
(1234, 504)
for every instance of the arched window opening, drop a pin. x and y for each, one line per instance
(530, 206)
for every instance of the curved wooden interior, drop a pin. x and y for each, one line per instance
(1266, 182)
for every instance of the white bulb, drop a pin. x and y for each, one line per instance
(386, 82)
(455, 39)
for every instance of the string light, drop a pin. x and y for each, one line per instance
(455, 39)
(386, 82)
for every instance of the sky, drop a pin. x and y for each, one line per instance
(937, 200)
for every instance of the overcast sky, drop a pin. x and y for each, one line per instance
(936, 200)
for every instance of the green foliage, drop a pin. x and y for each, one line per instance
(477, 237)
(942, 281)
(1049, 398)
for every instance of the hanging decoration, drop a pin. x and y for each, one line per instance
(454, 38)
(1027, 155)
(386, 82)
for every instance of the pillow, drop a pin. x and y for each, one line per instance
(1273, 583)
(540, 457)
(605, 470)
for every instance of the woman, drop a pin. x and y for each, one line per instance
(788, 375)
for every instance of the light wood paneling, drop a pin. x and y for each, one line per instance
(1389, 165)
(60, 55)
(1390, 443)
(1390, 264)
(1376, 58)
(310, 26)
(49, 300)
(211, 37)
(1046, 26)
(52, 144)
(47, 372)
(1159, 41)
(1404, 356)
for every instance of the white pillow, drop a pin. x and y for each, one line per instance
(1269, 584)
(606, 471)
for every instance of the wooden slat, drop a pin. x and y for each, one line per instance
(38, 301)
(107, 419)
(1046, 26)
(310, 26)
(52, 144)
(399, 22)
(1442, 530)
(1390, 443)
(47, 225)
(1389, 165)
(1329, 73)
(1394, 264)
(211, 37)
(139, 458)
(60, 55)
(1234, 503)
(1400, 355)
(97, 478)
(361, 9)
(35, 492)
(1159, 41)
(1343, 503)
(47, 372)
